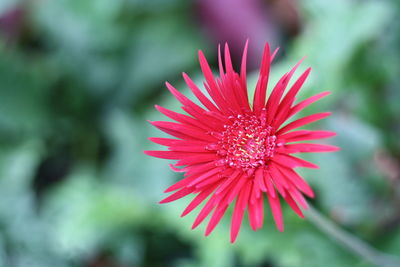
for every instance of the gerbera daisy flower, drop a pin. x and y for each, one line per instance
(232, 150)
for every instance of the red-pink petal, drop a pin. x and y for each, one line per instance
(276, 95)
(303, 104)
(297, 181)
(197, 200)
(276, 211)
(215, 218)
(261, 87)
(238, 212)
(288, 100)
(294, 206)
(302, 135)
(197, 92)
(303, 121)
(177, 195)
(304, 148)
(293, 162)
(256, 213)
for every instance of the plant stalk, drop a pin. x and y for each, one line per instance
(350, 241)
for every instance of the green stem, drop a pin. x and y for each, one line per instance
(351, 242)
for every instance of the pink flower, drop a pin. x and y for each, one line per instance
(232, 150)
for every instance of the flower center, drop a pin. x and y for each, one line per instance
(247, 142)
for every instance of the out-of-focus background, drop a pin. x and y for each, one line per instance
(79, 79)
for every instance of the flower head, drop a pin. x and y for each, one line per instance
(230, 150)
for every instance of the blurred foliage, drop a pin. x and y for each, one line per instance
(78, 80)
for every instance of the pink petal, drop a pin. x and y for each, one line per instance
(238, 212)
(207, 182)
(304, 148)
(296, 195)
(166, 154)
(184, 100)
(302, 135)
(261, 87)
(276, 95)
(197, 200)
(206, 175)
(197, 92)
(303, 104)
(182, 118)
(195, 170)
(177, 195)
(292, 162)
(164, 141)
(269, 184)
(297, 181)
(259, 179)
(211, 85)
(216, 218)
(243, 68)
(303, 121)
(294, 206)
(228, 181)
(289, 98)
(181, 183)
(183, 131)
(204, 211)
(236, 189)
(196, 159)
(256, 213)
(275, 205)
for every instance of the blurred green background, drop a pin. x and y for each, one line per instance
(79, 79)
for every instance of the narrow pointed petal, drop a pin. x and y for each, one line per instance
(303, 135)
(182, 118)
(305, 103)
(220, 64)
(165, 154)
(274, 54)
(305, 148)
(261, 87)
(238, 212)
(297, 181)
(269, 184)
(303, 121)
(181, 130)
(236, 189)
(228, 61)
(211, 85)
(228, 182)
(294, 206)
(243, 68)
(177, 195)
(183, 99)
(293, 162)
(288, 100)
(164, 141)
(299, 198)
(205, 211)
(256, 213)
(206, 175)
(178, 185)
(275, 206)
(216, 218)
(259, 179)
(277, 93)
(197, 200)
(197, 92)
(196, 159)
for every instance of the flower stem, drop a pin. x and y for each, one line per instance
(351, 242)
